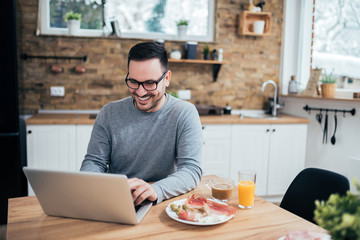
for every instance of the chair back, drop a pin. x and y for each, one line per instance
(309, 185)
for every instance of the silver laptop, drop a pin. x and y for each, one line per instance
(85, 195)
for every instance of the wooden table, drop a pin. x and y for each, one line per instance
(26, 220)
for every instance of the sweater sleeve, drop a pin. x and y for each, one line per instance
(188, 160)
(97, 158)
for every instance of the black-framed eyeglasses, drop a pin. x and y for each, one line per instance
(149, 85)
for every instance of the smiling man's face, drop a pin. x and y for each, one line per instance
(141, 71)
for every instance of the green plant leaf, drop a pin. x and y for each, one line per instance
(72, 16)
(340, 215)
(182, 22)
(328, 78)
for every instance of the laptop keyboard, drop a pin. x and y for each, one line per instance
(141, 205)
(137, 207)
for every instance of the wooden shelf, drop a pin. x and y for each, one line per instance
(200, 61)
(321, 98)
(247, 19)
(216, 64)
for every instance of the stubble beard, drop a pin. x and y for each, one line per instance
(153, 104)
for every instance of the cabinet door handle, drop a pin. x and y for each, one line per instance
(274, 130)
(267, 130)
(29, 132)
(203, 127)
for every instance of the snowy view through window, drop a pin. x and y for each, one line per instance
(142, 19)
(336, 46)
(159, 16)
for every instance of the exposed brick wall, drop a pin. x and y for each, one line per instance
(250, 62)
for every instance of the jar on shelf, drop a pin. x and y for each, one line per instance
(293, 85)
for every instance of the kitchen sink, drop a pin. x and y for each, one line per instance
(261, 115)
(254, 114)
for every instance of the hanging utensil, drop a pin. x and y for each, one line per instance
(325, 128)
(319, 117)
(333, 139)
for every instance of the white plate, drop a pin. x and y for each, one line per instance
(174, 216)
(321, 236)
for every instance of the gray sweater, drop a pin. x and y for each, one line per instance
(163, 147)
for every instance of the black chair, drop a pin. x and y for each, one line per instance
(309, 185)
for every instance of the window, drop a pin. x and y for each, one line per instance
(336, 46)
(134, 18)
(52, 15)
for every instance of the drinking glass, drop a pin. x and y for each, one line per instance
(246, 187)
(221, 188)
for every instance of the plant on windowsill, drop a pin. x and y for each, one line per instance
(182, 26)
(328, 85)
(206, 51)
(73, 21)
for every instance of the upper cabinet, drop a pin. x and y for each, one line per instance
(255, 23)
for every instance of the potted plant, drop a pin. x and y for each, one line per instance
(340, 215)
(206, 51)
(328, 85)
(73, 20)
(182, 26)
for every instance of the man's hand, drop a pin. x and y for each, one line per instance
(141, 190)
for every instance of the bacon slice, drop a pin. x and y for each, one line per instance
(215, 208)
(196, 201)
(190, 215)
(185, 215)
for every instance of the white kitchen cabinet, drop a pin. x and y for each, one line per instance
(60, 147)
(286, 156)
(51, 146)
(276, 152)
(249, 150)
(216, 150)
(57, 147)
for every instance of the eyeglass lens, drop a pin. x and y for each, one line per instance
(148, 85)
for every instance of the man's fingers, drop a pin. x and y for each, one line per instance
(141, 190)
(141, 197)
(138, 192)
(133, 182)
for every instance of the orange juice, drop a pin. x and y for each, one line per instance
(246, 194)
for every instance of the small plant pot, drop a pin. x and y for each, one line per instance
(328, 90)
(182, 29)
(73, 26)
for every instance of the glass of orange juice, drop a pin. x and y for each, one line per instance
(246, 186)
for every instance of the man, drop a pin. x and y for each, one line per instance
(150, 136)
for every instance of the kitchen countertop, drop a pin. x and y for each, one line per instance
(73, 118)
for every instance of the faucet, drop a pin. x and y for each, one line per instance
(275, 106)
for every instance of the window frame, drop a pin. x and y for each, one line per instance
(45, 29)
(297, 44)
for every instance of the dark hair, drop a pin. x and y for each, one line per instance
(148, 50)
